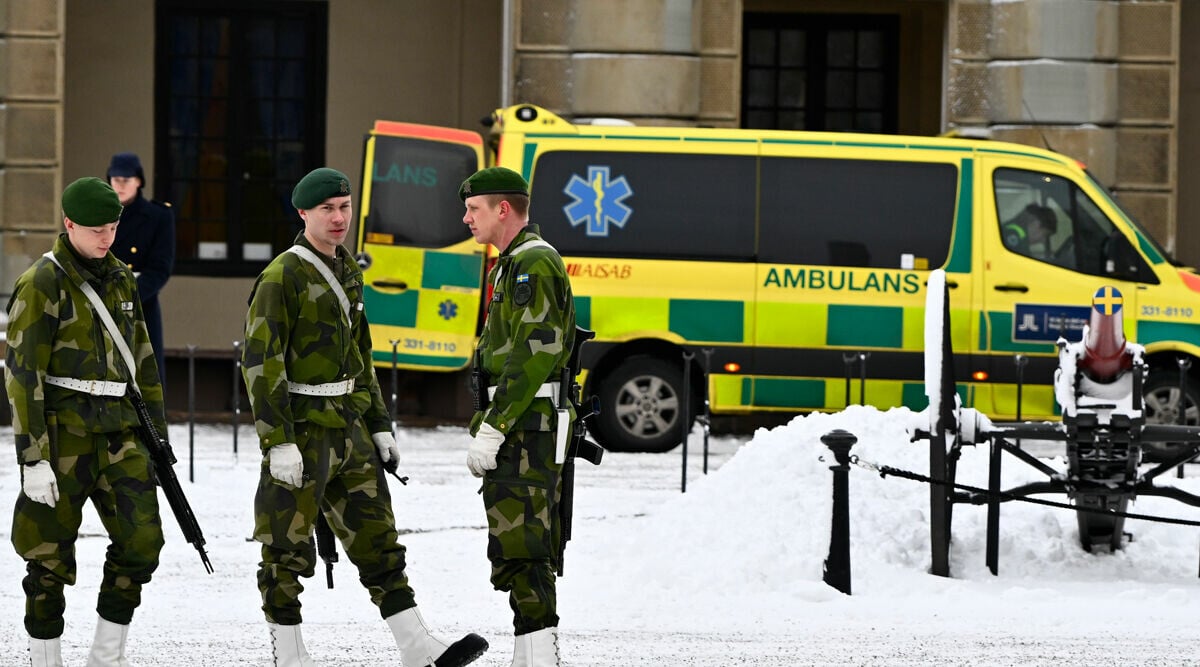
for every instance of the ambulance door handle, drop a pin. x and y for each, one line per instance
(1011, 287)
(390, 284)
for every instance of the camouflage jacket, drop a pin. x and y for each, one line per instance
(53, 330)
(296, 330)
(528, 334)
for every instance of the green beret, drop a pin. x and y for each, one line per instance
(319, 185)
(91, 202)
(493, 181)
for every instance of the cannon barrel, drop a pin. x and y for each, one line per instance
(1104, 356)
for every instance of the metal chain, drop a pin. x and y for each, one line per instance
(884, 471)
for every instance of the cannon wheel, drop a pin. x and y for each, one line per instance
(1101, 530)
(942, 464)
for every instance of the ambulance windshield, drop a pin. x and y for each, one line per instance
(1142, 231)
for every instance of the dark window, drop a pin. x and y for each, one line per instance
(820, 72)
(856, 212)
(414, 192)
(678, 206)
(240, 117)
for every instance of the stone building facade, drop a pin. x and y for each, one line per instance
(1112, 83)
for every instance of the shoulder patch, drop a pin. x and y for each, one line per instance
(523, 292)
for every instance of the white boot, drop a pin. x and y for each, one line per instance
(419, 648)
(287, 647)
(45, 652)
(108, 647)
(537, 649)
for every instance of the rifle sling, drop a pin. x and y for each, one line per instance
(106, 318)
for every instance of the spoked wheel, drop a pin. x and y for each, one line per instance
(1101, 531)
(940, 387)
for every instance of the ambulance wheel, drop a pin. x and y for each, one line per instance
(1161, 405)
(641, 403)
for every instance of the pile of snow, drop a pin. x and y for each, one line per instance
(758, 531)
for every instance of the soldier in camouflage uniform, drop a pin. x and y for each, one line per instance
(324, 431)
(74, 427)
(525, 344)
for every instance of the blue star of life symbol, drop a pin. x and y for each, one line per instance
(447, 310)
(597, 201)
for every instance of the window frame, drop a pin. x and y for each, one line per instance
(817, 69)
(314, 17)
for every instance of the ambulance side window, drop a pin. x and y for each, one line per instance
(1080, 231)
(864, 213)
(646, 205)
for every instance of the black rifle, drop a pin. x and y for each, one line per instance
(326, 544)
(579, 446)
(164, 458)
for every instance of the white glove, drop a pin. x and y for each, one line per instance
(482, 454)
(286, 463)
(386, 444)
(39, 483)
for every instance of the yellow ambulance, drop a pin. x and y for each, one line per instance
(799, 259)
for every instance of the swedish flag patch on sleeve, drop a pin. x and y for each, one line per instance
(523, 290)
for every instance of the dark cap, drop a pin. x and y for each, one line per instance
(125, 165)
(91, 202)
(319, 185)
(493, 181)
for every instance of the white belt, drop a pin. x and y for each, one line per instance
(339, 388)
(93, 387)
(547, 390)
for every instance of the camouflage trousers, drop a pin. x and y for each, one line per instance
(113, 470)
(343, 479)
(521, 499)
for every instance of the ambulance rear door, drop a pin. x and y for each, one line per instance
(423, 271)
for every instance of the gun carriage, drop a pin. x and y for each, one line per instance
(1104, 431)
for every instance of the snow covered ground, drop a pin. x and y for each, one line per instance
(727, 574)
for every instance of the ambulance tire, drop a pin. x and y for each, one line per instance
(640, 406)
(1161, 406)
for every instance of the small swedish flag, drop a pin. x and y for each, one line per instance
(1107, 300)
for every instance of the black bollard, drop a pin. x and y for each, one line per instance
(395, 384)
(848, 359)
(837, 565)
(1181, 417)
(191, 349)
(237, 391)
(685, 402)
(707, 423)
(862, 377)
(1021, 361)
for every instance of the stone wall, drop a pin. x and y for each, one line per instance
(649, 61)
(1093, 79)
(31, 97)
